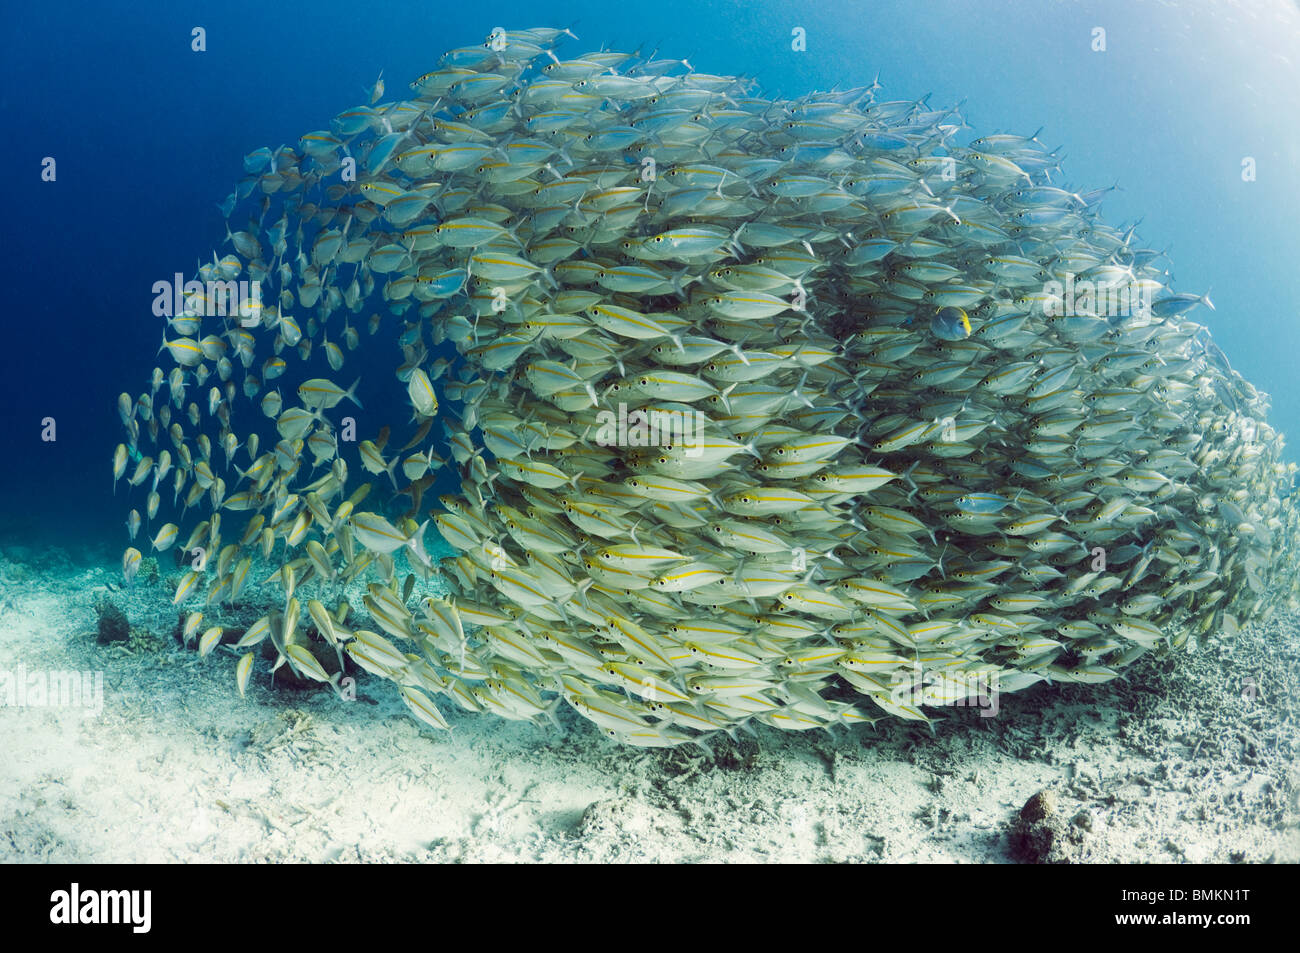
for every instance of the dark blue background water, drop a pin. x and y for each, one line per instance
(148, 136)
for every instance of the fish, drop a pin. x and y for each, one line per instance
(377, 534)
(119, 464)
(319, 393)
(730, 444)
(951, 324)
(165, 538)
(210, 639)
(130, 565)
(423, 397)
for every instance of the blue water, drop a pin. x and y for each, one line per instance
(148, 137)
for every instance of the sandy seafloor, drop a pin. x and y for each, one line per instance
(1189, 759)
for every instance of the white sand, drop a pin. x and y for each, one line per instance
(1172, 764)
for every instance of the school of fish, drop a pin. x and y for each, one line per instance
(758, 409)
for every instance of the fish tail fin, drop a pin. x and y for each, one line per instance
(500, 149)
(734, 348)
(906, 477)
(702, 742)
(581, 594)
(852, 520)
(416, 545)
(631, 531)
(798, 391)
(939, 561)
(734, 245)
(681, 280)
(813, 569)
(551, 715)
(559, 607)
(722, 395)
(352, 393)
